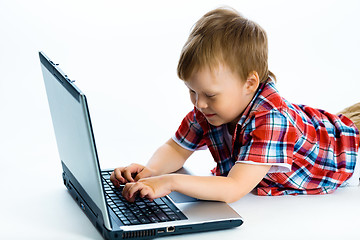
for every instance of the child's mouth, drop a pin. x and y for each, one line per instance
(210, 115)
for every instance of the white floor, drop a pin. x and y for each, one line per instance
(45, 210)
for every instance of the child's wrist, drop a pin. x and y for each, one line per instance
(151, 171)
(170, 179)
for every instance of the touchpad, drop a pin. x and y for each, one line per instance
(181, 198)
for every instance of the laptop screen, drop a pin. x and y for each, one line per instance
(73, 133)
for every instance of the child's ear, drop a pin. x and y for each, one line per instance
(252, 82)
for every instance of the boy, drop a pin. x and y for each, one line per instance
(257, 138)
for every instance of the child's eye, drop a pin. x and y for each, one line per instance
(210, 95)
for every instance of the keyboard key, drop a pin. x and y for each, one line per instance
(155, 208)
(117, 211)
(119, 202)
(139, 204)
(162, 217)
(126, 222)
(173, 216)
(153, 218)
(131, 218)
(134, 221)
(158, 201)
(126, 211)
(143, 207)
(137, 212)
(144, 219)
(129, 215)
(157, 211)
(148, 212)
(167, 209)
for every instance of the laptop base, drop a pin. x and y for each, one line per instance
(94, 215)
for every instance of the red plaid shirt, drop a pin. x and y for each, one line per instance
(311, 151)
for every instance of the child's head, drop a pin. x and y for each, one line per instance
(223, 36)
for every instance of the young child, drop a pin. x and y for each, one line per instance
(257, 138)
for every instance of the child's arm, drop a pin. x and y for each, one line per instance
(169, 158)
(240, 181)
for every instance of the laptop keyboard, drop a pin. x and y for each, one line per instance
(141, 211)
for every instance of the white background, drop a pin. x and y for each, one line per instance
(123, 56)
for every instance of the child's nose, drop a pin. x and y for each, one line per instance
(201, 103)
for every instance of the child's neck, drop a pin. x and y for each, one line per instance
(231, 127)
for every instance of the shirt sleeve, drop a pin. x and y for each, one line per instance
(190, 134)
(268, 139)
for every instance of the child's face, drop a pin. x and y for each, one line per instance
(220, 94)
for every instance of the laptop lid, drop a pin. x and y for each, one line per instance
(73, 132)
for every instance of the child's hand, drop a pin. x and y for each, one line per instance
(150, 188)
(131, 173)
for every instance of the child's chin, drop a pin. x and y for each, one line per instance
(215, 123)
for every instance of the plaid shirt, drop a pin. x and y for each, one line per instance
(311, 151)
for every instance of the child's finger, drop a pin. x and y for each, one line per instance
(126, 191)
(116, 177)
(134, 189)
(146, 193)
(127, 173)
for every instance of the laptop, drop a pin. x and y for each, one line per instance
(92, 190)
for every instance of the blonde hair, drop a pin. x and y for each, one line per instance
(224, 36)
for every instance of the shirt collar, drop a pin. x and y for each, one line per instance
(248, 110)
